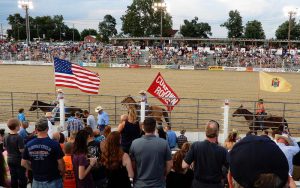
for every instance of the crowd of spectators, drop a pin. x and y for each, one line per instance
(220, 55)
(141, 155)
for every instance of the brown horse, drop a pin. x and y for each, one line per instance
(272, 122)
(153, 111)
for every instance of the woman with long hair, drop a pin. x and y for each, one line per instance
(231, 140)
(81, 164)
(116, 162)
(129, 129)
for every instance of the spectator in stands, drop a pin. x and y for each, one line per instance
(289, 147)
(161, 133)
(129, 129)
(296, 164)
(260, 112)
(21, 115)
(75, 124)
(150, 172)
(98, 171)
(90, 120)
(103, 118)
(2, 133)
(82, 166)
(117, 162)
(50, 125)
(171, 137)
(45, 157)
(231, 140)
(69, 177)
(207, 155)
(257, 161)
(181, 139)
(14, 145)
(179, 177)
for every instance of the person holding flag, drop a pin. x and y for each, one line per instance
(260, 112)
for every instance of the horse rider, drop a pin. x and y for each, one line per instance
(260, 112)
(60, 95)
(144, 98)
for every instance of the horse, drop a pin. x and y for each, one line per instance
(152, 111)
(272, 122)
(46, 107)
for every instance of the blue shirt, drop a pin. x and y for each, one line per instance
(23, 133)
(103, 119)
(21, 117)
(171, 138)
(74, 125)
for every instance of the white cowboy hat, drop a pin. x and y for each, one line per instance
(48, 114)
(142, 92)
(98, 108)
(285, 137)
(59, 90)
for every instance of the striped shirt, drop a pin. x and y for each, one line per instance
(74, 125)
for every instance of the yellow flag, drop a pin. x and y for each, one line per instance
(273, 83)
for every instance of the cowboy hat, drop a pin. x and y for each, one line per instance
(59, 90)
(48, 114)
(142, 92)
(285, 137)
(98, 108)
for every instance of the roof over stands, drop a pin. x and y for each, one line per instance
(202, 39)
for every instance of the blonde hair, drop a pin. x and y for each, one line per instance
(132, 114)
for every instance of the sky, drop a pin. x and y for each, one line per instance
(88, 13)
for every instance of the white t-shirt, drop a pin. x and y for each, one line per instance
(91, 122)
(50, 129)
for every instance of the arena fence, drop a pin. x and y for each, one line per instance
(190, 114)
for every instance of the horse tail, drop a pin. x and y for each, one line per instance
(166, 116)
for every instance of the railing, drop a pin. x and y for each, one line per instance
(191, 114)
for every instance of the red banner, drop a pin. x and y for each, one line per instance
(161, 90)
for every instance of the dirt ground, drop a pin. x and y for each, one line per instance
(237, 86)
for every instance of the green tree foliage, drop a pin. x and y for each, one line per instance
(234, 24)
(87, 32)
(18, 29)
(254, 30)
(141, 20)
(107, 28)
(283, 29)
(194, 29)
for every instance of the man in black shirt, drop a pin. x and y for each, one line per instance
(209, 158)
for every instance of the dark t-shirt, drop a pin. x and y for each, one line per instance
(87, 182)
(13, 143)
(296, 158)
(175, 179)
(98, 171)
(130, 132)
(43, 154)
(209, 159)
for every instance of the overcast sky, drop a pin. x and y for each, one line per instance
(88, 13)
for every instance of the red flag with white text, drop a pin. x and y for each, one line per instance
(161, 90)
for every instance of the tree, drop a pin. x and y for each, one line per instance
(254, 30)
(107, 28)
(194, 29)
(87, 32)
(234, 24)
(141, 20)
(283, 29)
(18, 30)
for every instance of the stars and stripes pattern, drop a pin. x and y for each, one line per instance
(74, 76)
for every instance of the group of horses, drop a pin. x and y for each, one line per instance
(159, 113)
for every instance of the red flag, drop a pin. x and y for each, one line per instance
(161, 90)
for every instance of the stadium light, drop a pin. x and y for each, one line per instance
(26, 5)
(160, 6)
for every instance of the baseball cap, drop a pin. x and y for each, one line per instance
(255, 155)
(41, 124)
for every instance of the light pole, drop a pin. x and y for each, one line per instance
(291, 17)
(161, 6)
(26, 5)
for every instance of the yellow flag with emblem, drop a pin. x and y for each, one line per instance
(272, 83)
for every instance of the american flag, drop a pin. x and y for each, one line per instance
(74, 76)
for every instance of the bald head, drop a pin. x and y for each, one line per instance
(212, 129)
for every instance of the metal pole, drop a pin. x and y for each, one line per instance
(226, 119)
(27, 26)
(143, 111)
(161, 22)
(1, 31)
(73, 33)
(37, 111)
(198, 106)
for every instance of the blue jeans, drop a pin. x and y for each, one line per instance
(18, 176)
(58, 183)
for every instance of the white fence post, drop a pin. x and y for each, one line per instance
(143, 111)
(226, 119)
(62, 113)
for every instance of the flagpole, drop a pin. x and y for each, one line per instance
(54, 76)
(258, 93)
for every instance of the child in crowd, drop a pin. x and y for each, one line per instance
(69, 178)
(14, 145)
(21, 115)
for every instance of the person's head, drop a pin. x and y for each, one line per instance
(25, 124)
(284, 138)
(232, 137)
(48, 115)
(56, 136)
(260, 101)
(212, 129)
(142, 92)
(90, 131)
(61, 138)
(99, 109)
(41, 125)
(77, 114)
(132, 114)
(96, 132)
(258, 162)
(68, 147)
(185, 147)
(86, 113)
(21, 110)
(177, 161)
(149, 125)
(81, 141)
(112, 153)
(13, 124)
(169, 127)
(182, 131)
(106, 131)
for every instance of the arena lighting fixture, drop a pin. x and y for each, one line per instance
(161, 6)
(26, 5)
